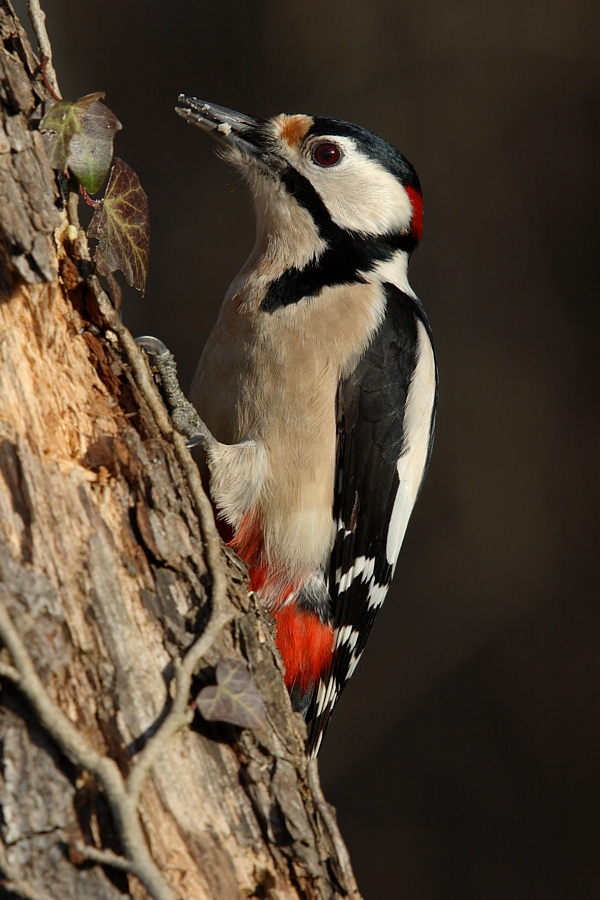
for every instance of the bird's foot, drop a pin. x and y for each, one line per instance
(184, 417)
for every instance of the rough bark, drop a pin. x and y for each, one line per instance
(110, 573)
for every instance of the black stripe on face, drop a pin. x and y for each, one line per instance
(347, 253)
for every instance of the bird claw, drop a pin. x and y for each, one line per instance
(184, 417)
(153, 346)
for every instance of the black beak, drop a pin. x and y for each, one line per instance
(227, 127)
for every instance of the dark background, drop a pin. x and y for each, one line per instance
(463, 759)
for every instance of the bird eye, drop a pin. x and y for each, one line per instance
(326, 154)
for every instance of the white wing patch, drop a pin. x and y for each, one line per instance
(346, 635)
(327, 694)
(362, 566)
(417, 427)
(354, 660)
(399, 520)
(315, 751)
(321, 697)
(340, 524)
(366, 583)
(376, 596)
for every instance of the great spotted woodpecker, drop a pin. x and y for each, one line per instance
(318, 386)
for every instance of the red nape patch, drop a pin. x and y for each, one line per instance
(305, 644)
(416, 201)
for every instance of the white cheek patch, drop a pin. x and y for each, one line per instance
(359, 193)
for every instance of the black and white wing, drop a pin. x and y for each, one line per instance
(386, 417)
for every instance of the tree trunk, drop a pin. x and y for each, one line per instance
(114, 590)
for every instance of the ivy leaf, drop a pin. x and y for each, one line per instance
(91, 149)
(234, 698)
(121, 224)
(79, 136)
(59, 125)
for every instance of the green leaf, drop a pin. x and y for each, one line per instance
(59, 125)
(91, 148)
(80, 136)
(121, 224)
(234, 698)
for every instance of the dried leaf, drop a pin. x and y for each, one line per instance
(122, 225)
(234, 698)
(79, 136)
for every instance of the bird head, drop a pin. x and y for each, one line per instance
(324, 190)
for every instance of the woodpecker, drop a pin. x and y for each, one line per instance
(318, 386)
